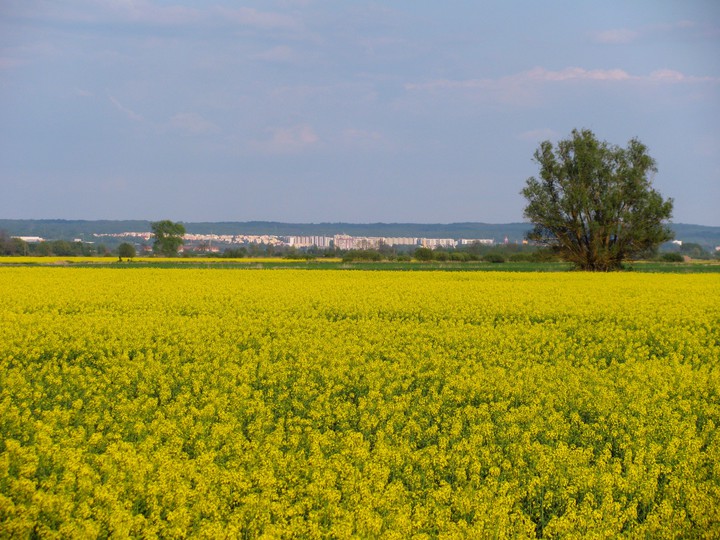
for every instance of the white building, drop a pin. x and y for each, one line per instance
(309, 241)
(30, 239)
(345, 241)
(434, 243)
(482, 241)
(401, 241)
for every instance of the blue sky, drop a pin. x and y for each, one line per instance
(318, 110)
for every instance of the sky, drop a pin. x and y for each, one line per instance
(315, 111)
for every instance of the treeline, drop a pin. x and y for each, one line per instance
(693, 250)
(60, 248)
(499, 253)
(474, 252)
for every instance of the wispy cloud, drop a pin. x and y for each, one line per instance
(615, 36)
(144, 11)
(575, 74)
(8, 62)
(622, 36)
(672, 76)
(11, 57)
(288, 140)
(363, 139)
(153, 13)
(129, 113)
(189, 123)
(534, 75)
(260, 19)
(94, 11)
(361, 135)
(281, 54)
(528, 87)
(570, 74)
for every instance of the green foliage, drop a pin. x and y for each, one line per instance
(671, 257)
(168, 237)
(694, 251)
(126, 251)
(494, 258)
(594, 202)
(235, 253)
(12, 246)
(424, 254)
(460, 256)
(362, 255)
(59, 248)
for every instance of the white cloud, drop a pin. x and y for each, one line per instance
(672, 76)
(575, 74)
(617, 36)
(144, 11)
(345, 93)
(151, 12)
(529, 88)
(189, 123)
(361, 135)
(266, 20)
(7, 62)
(288, 140)
(570, 74)
(21, 55)
(362, 139)
(281, 53)
(93, 11)
(622, 36)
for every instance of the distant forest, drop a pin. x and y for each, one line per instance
(59, 229)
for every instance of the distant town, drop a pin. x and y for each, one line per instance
(66, 237)
(216, 243)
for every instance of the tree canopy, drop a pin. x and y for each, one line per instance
(594, 202)
(168, 237)
(126, 250)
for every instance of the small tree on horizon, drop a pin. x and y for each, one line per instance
(168, 237)
(594, 202)
(126, 250)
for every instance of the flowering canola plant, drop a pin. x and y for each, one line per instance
(210, 403)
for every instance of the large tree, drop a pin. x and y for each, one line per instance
(594, 202)
(168, 237)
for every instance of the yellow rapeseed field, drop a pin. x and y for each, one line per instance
(171, 403)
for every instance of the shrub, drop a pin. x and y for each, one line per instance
(494, 258)
(521, 257)
(671, 257)
(462, 256)
(362, 255)
(424, 254)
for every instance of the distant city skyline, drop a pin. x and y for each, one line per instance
(311, 111)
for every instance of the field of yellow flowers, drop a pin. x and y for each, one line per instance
(171, 403)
